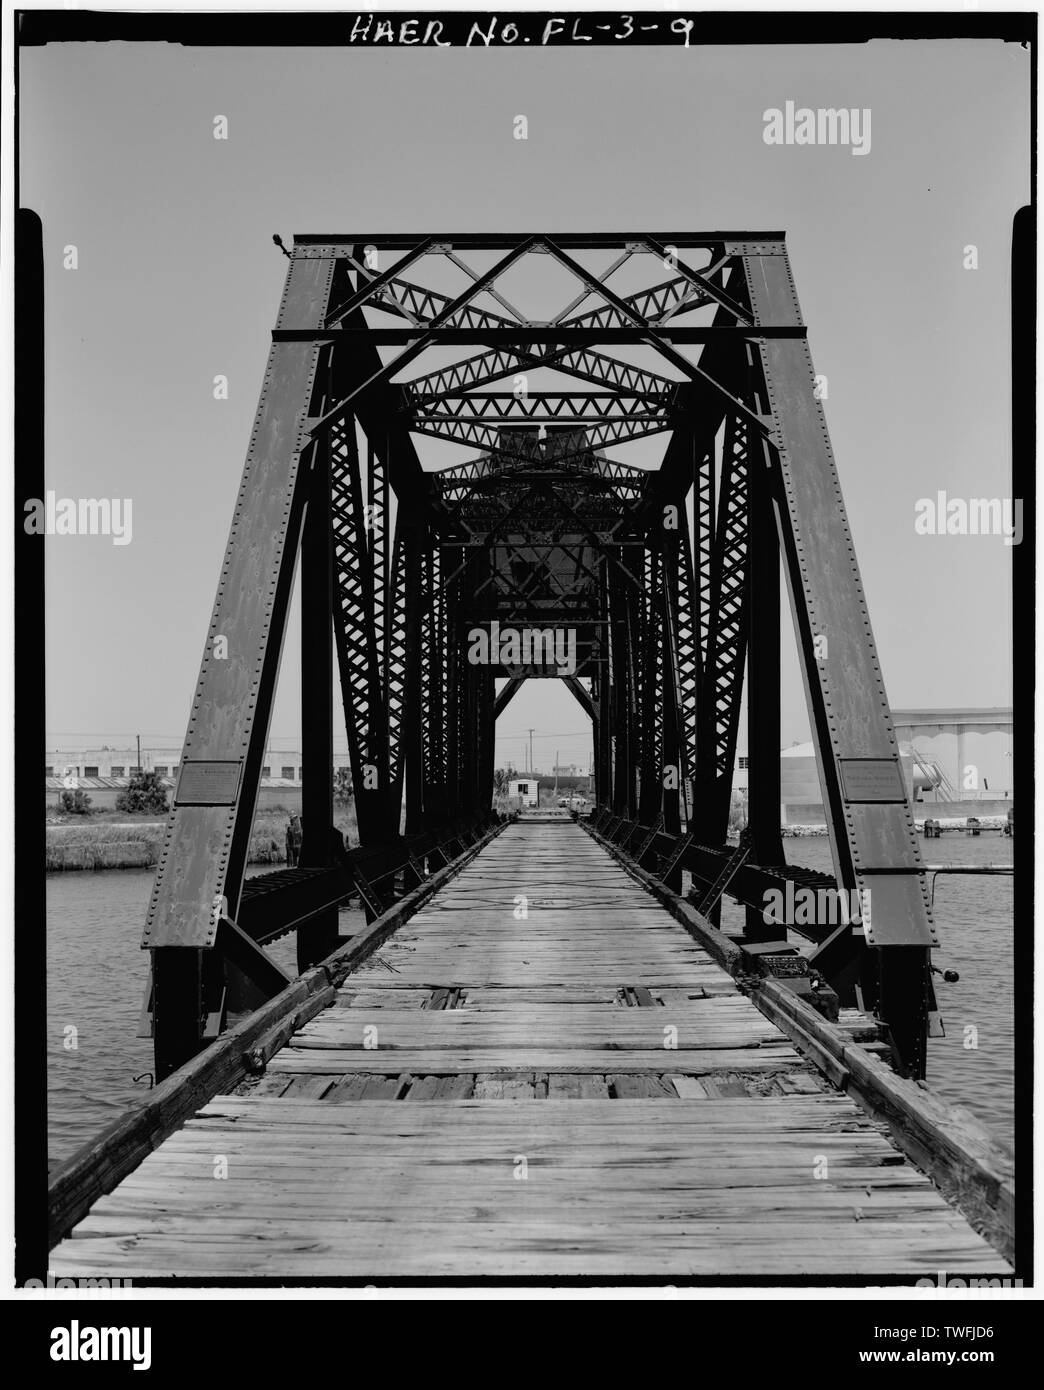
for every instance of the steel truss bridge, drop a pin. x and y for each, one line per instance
(640, 441)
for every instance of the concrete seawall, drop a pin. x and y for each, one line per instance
(797, 814)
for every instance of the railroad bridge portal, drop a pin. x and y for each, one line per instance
(643, 438)
(607, 442)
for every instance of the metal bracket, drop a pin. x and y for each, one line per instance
(367, 892)
(304, 435)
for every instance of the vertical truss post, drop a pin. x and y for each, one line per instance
(763, 702)
(417, 552)
(596, 700)
(478, 734)
(464, 689)
(704, 525)
(317, 937)
(378, 524)
(672, 767)
(485, 742)
(688, 662)
(622, 703)
(433, 685)
(454, 694)
(601, 694)
(636, 733)
(703, 528)
(650, 801)
(355, 629)
(395, 670)
(727, 634)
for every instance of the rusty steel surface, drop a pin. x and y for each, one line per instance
(851, 718)
(659, 572)
(204, 850)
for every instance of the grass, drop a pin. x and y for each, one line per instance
(56, 816)
(85, 846)
(113, 841)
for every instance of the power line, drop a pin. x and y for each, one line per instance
(559, 733)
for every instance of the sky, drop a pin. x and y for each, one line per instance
(178, 281)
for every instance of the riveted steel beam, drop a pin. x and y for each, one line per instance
(201, 867)
(865, 796)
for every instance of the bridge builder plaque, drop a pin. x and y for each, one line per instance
(872, 779)
(208, 784)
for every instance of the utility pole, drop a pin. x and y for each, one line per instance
(531, 751)
(138, 737)
(556, 772)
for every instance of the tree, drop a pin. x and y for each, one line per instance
(76, 803)
(500, 782)
(342, 786)
(145, 795)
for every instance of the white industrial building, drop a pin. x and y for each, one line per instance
(104, 771)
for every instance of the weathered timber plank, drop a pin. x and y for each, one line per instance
(339, 1061)
(639, 1158)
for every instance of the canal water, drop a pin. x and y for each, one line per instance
(96, 977)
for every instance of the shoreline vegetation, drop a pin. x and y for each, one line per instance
(132, 842)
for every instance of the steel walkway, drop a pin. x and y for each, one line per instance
(539, 1074)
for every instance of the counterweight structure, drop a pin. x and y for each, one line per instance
(644, 443)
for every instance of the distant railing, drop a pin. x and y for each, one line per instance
(845, 966)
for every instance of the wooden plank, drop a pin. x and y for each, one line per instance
(719, 1157)
(689, 1087)
(339, 1061)
(563, 1086)
(265, 1086)
(99, 1165)
(309, 1086)
(347, 1088)
(800, 1083)
(628, 1087)
(506, 1086)
(505, 1252)
(380, 1088)
(716, 1086)
(945, 1140)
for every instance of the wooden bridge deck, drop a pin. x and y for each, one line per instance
(553, 1132)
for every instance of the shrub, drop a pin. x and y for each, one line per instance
(76, 803)
(145, 795)
(342, 787)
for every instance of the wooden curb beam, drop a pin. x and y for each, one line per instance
(945, 1141)
(104, 1161)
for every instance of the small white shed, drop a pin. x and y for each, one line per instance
(524, 791)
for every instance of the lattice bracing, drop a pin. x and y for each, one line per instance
(623, 406)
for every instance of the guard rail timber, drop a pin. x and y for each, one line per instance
(945, 1141)
(245, 1050)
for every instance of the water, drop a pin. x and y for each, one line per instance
(975, 919)
(96, 974)
(96, 978)
(95, 983)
